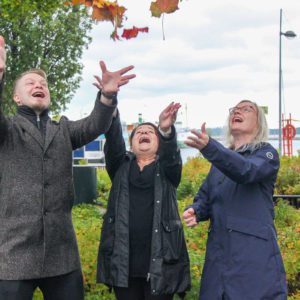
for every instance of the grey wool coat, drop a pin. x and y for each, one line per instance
(37, 238)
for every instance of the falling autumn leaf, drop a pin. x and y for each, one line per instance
(108, 11)
(102, 14)
(74, 2)
(163, 6)
(103, 3)
(104, 10)
(88, 2)
(132, 33)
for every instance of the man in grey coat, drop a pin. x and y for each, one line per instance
(38, 245)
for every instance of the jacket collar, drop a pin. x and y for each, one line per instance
(130, 156)
(29, 127)
(250, 147)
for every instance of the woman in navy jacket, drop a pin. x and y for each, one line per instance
(243, 260)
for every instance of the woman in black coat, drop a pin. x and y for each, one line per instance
(142, 252)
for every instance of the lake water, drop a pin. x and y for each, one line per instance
(191, 152)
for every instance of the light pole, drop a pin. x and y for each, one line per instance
(288, 34)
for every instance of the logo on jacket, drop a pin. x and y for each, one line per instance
(269, 155)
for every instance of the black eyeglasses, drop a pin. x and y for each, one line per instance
(243, 109)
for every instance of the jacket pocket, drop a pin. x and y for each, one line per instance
(172, 239)
(248, 244)
(248, 227)
(107, 234)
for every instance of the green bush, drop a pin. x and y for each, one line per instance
(103, 187)
(288, 180)
(193, 174)
(287, 221)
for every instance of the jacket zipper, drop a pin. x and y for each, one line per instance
(38, 121)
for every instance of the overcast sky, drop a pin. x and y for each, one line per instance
(215, 53)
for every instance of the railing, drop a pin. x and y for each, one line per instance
(293, 199)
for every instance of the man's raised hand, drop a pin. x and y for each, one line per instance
(111, 81)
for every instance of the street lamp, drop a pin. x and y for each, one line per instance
(290, 35)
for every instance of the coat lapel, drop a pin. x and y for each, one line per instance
(27, 126)
(51, 131)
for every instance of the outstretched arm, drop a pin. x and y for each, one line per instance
(261, 166)
(169, 153)
(109, 85)
(99, 121)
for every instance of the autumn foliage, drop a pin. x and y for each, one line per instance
(111, 11)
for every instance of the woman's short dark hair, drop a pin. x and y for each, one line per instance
(139, 125)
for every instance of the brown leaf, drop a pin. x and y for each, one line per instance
(88, 2)
(163, 6)
(108, 11)
(75, 2)
(102, 14)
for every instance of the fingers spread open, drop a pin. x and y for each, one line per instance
(126, 69)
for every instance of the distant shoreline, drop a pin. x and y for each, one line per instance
(271, 138)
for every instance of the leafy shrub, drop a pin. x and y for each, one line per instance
(103, 187)
(193, 174)
(287, 221)
(288, 180)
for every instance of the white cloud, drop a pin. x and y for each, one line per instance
(215, 54)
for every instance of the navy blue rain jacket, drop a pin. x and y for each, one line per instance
(243, 260)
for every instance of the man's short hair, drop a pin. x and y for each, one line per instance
(35, 71)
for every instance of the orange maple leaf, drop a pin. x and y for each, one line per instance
(132, 33)
(102, 14)
(88, 2)
(103, 3)
(75, 2)
(108, 11)
(163, 6)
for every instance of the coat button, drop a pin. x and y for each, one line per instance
(157, 201)
(153, 259)
(156, 230)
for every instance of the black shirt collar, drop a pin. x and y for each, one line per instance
(25, 110)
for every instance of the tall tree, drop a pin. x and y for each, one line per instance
(51, 37)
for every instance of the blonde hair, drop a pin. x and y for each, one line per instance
(30, 71)
(261, 135)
